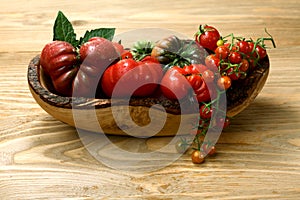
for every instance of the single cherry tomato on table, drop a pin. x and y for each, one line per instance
(197, 157)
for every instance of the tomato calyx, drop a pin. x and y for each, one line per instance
(141, 49)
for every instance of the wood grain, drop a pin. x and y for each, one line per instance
(258, 155)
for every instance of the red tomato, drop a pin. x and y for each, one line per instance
(244, 65)
(224, 82)
(243, 47)
(212, 62)
(205, 111)
(128, 77)
(222, 52)
(207, 36)
(261, 52)
(235, 57)
(233, 73)
(96, 55)
(174, 84)
(58, 60)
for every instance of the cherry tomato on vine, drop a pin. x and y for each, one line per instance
(223, 122)
(212, 62)
(205, 111)
(208, 76)
(235, 57)
(243, 47)
(244, 65)
(208, 149)
(207, 36)
(233, 73)
(261, 51)
(224, 82)
(222, 52)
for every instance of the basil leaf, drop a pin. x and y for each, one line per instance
(107, 33)
(63, 30)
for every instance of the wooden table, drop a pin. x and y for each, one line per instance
(258, 156)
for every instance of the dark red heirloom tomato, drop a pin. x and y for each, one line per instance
(96, 55)
(130, 78)
(58, 60)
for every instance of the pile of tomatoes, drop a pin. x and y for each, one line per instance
(174, 68)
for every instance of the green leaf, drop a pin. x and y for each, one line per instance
(63, 30)
(107, 33)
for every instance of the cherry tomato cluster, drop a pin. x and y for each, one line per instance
(230, 59)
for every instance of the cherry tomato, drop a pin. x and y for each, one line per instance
(58, 60)
(208, 76)
(212, 62)
(207, 36)
(251, 46)
(129, 74)
(261, 51)
(223, 122)
(197, 157)
(205, 111)
(208, 149)
(233, 73)
(233, 48)
(243, 47)
(244, 65)
(224, 82)
(222, 52)
(235, 57)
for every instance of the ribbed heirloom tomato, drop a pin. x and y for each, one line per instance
(58, 60)
(178, 82)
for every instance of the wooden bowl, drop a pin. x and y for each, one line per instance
(239, 96)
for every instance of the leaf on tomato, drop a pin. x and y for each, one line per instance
(63, 30)
(107, 33)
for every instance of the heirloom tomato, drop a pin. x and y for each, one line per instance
(59, 61)
(96, 55)
(128, 78)
(173, 51)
